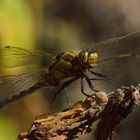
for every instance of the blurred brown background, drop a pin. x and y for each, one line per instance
(62, 25)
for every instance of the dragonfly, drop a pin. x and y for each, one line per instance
(67, 66)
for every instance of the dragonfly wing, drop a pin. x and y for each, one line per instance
(15, 56)
(10, 84)
(110, 41)
(121, 56)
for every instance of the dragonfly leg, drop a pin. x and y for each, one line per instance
(92, 79)
(59, 90)
(89, 82)
(100, 75)
(68, 98)
(82, 88)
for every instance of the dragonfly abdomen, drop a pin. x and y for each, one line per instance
(19, 95)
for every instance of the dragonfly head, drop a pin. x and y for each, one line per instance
(88, 59)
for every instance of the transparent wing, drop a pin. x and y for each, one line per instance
(11, 84)
(15, 56)
(110, 41)
(122, 68)
(121, 56)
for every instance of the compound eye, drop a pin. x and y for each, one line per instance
(83, 56)
(86, 57)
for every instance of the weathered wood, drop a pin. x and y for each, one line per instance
(109, 109)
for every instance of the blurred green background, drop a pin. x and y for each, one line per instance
(62, 25)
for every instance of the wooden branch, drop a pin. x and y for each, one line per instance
(109, 109)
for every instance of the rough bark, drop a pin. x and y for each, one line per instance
(108, 108)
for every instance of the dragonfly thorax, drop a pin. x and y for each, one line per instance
(88, 59)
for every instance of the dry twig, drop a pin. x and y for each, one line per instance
(110, 109)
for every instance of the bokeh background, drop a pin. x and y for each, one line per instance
(61, 25)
